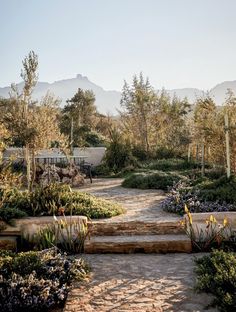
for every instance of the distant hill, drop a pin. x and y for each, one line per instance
(109, 101)
(106, 101)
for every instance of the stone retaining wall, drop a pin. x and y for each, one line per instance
(27, 227)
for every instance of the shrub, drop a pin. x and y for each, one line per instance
(222, 190)
(163, 152)
(11, 213)
(139, 153)
(216, 274)
(182, 194)
(37, 281)
(119, 153)
(102, 170)
(151, 180)
(171, 164)
(50, 199)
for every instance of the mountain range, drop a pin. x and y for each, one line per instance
(108, 101)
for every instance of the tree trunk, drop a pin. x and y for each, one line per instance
(197, 151)
(203, 160)
(189, 153)
(33, 170)
(27, 160)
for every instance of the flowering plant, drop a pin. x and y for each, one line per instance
(212, 234)
(37, 281)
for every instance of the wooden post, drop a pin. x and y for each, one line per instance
(227, 145)
(203, 160)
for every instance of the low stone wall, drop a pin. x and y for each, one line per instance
(200, 224)
(27, 227)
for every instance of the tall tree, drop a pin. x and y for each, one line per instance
(230, 110)
(79, 113)
(139, 102)
(32, 125)
(204, 121)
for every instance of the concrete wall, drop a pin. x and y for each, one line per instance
(93, 155)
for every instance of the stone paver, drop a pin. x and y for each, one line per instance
(137, 282)
(140, 283)
(140, 205)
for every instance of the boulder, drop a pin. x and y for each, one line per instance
(78, 180)
(66, 180)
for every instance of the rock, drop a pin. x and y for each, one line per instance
(78, 180)
(65, 172)
(49, 177)
(66, 180)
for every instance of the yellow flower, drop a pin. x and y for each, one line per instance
(225, 222)
(190, 218)
(213, 219)
(186, 208)
(182, 222)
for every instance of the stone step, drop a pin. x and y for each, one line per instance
(138, 243)
(8, 242)
(102, 228)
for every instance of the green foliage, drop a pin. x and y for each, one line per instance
(118, 154)
(222, 190)
(102, 170)
(11, 213)
(51, 199)
(152, 180)
(139, 153)
(67, 235)
(93, 138)
(171, 164)
(163, 152)
(78, 116)
(22, 263)
(216, 274)
(212, 235)
(37, 281)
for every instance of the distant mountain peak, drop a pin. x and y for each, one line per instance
(81, 77)
(108, 101)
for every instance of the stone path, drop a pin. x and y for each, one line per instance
(140, 283)
(137, 282)
(140, 205)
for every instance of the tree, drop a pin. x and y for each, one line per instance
(172, 131)
(205, 114)
(32, 125)
(230, 109)
(139, 103)
(79, 113)
(153, 120)
(30, 78)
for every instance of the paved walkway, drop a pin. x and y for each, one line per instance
(140, 205)
(140, 283)
(137, 282)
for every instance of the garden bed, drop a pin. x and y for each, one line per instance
(10, 236)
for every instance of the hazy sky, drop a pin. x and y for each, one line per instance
(177, 43)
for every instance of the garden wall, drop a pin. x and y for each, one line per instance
(93, 155)
(10, 236)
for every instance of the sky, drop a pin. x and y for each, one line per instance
(176, 43)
